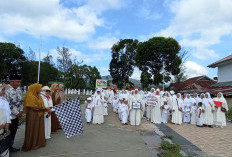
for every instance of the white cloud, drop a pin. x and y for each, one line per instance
(210, 19)
(102, 43)
(80, 56)
(104, 71)
(136, 74)
(193, 69)
(50, 18)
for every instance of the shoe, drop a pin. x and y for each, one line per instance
(14, 149)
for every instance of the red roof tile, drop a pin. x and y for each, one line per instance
(194, 83)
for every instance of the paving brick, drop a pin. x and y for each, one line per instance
(213, 141)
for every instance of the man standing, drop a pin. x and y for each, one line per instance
(13, 96)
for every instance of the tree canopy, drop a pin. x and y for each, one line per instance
(122, 63)
(11, 59)
(159, 57)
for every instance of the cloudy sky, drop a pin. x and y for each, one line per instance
(90, 27)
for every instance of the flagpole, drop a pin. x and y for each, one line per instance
(39, 59)
(163, 76)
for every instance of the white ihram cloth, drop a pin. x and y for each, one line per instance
(193, 113)
(47, 120)
(177, 105)
(156, 111)
(135, 114)
(98, 117)
(115, 105)
(220, 117)
(124, 112)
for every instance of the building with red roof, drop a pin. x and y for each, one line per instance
(195, 84)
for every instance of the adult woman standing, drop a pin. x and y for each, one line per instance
(34, 108)
(56, 100)
(220, 112)
(47, 99)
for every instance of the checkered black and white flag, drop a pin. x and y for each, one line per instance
(69, 116)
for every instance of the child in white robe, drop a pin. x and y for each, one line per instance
(200, 119)
(193, 114)
(165, 112)
(120, 104)
(88, 110)
(115, 104)
(124, 112)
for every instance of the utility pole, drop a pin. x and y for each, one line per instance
(39, 59)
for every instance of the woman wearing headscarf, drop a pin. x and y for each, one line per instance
(47, 99)
(34, 108)
(177, 110)
(208, 107)
(56, 100)
(220, 112)
(62, 94)
(4, 115)
(187, 108)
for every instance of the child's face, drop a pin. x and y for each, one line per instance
(88, 101)
(126, 102)
(121, 101)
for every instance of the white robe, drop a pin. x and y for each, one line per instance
(165, 113)
(208, 106)
(177, 114)
(135, 114)
(98, 117)
(187, 108)
(156, 111)
(193, 113)
(115, 105)
(88, 112)
(4, 115)
(124, 112)
(220, 117)
(47, 120)
(200, 120)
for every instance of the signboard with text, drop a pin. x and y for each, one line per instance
(101, 83)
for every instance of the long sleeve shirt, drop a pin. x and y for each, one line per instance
(14, 97)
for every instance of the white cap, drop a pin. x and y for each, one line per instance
(172, 92)
(45, 88)
(98, 89)
(89, 99)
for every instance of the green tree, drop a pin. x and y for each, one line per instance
(93, 75)
(64, 61)
(156, 52)
(122, 63)
(30, 73)
(145, 80)
(11, 59)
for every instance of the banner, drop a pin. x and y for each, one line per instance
(151, 100)
(101, 83)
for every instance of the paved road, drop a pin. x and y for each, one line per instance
(110, 139)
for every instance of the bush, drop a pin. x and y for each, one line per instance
(229, 114)
(170, 150)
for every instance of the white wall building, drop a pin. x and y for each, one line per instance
(224, 69)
